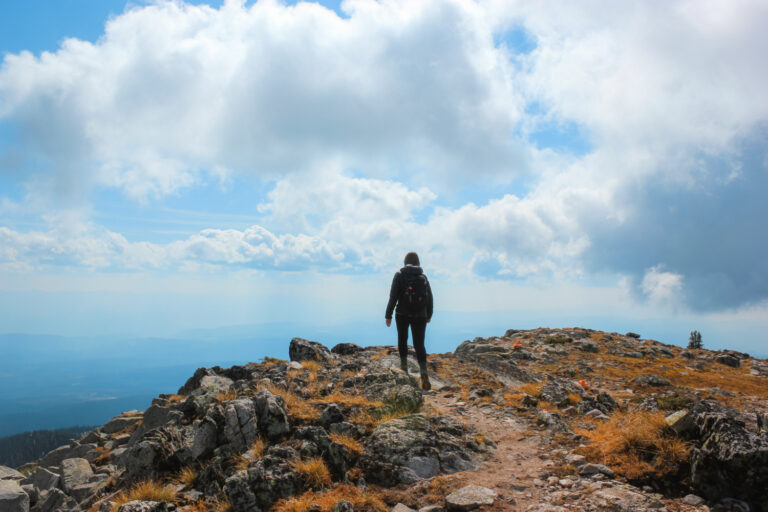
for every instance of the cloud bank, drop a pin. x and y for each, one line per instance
(371, 131)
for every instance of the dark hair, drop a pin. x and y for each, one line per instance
(411, 259)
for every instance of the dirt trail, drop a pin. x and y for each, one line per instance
(519, 458)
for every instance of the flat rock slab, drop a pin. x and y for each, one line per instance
(7, 473)
(469, 498)
(75, 472)
(12, 497)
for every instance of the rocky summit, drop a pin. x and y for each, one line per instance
(534, 420)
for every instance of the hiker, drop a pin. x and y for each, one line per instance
(413, 296)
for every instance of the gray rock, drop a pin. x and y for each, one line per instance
(156, 416)
(732, 505)
(681, 422)
(303, 350)
(331, 414)
(264, 483)
(470, 498)
(688, 354)
(651, 380)
(119, 423)
(574, 459)
(54, 458)
(7, 473)
(557, 390)
(401, 508)
(45, 480)
(728, 360)
(588, 346)
(693, 500)
(272, 415)
(344, 506)
(728, 459)
(408, 449)
(32, 492)
(553, 421)
(214, 384)
(632, 335)
(12, 497)
(147, 506)
(346, 349)
(241, 424)
(75, 472)
(56, 501)
(624, 498)
(596, 469)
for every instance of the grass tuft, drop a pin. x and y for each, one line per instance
(352, 444)
(225, 396)
(146, 490)
(314, 471)
(362, 501)
(636, 444)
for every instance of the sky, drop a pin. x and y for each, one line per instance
(175, 165)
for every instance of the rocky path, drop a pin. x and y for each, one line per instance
(519, 463)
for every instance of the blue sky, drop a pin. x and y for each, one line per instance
(175, 165)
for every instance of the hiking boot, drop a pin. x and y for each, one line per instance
(425, 384)
(404, 365)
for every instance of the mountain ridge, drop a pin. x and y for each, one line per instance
(541, 419)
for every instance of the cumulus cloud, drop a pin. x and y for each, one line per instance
(364, 124)
(171, 91)
(96, 248)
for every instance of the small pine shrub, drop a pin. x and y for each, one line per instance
(694, 340)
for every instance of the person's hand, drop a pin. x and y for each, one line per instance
(389, 322)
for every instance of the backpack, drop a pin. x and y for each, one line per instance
(413, 296)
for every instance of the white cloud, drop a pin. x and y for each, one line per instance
(662, 287)
(172, 90)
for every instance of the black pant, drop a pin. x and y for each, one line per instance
(418, 328)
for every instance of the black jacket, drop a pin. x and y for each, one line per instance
(398, 282)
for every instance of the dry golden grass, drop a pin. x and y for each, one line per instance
(352, 444)
(299, 409)
(176, 398)
(531, 388)
(222, 505)
(311, 366)
(314, 471)
(362, 501)
(146, 490)
(349, 400)
(636, 444)
(269, 362)
(258, 448)
(103, 457)
(574, 398)
(363, 418)
(225, 396)
(186, 476)
(348, 373)
(239, 462)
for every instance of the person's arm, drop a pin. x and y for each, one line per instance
(394, 293)
(429, 300)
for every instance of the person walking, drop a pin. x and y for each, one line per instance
(412, 294)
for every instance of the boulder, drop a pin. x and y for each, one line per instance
(241, 428)
(470, 497)
(553, 421)
(7, 473)
(596, 469)
(728, 360)
(272, 414)
(557, 390)
(331, 414)
(587, 346)
(45, 480)
(73, 450)
(415, 447)
(303, 350)
(119, 423)
(156, 416)
(74, 472)
(727, 458)
(261, 485)
(651, 380)
(193, 383)
(56, 501)
(681, 422)
(625, 498)
(346, 349)
(12, 497)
